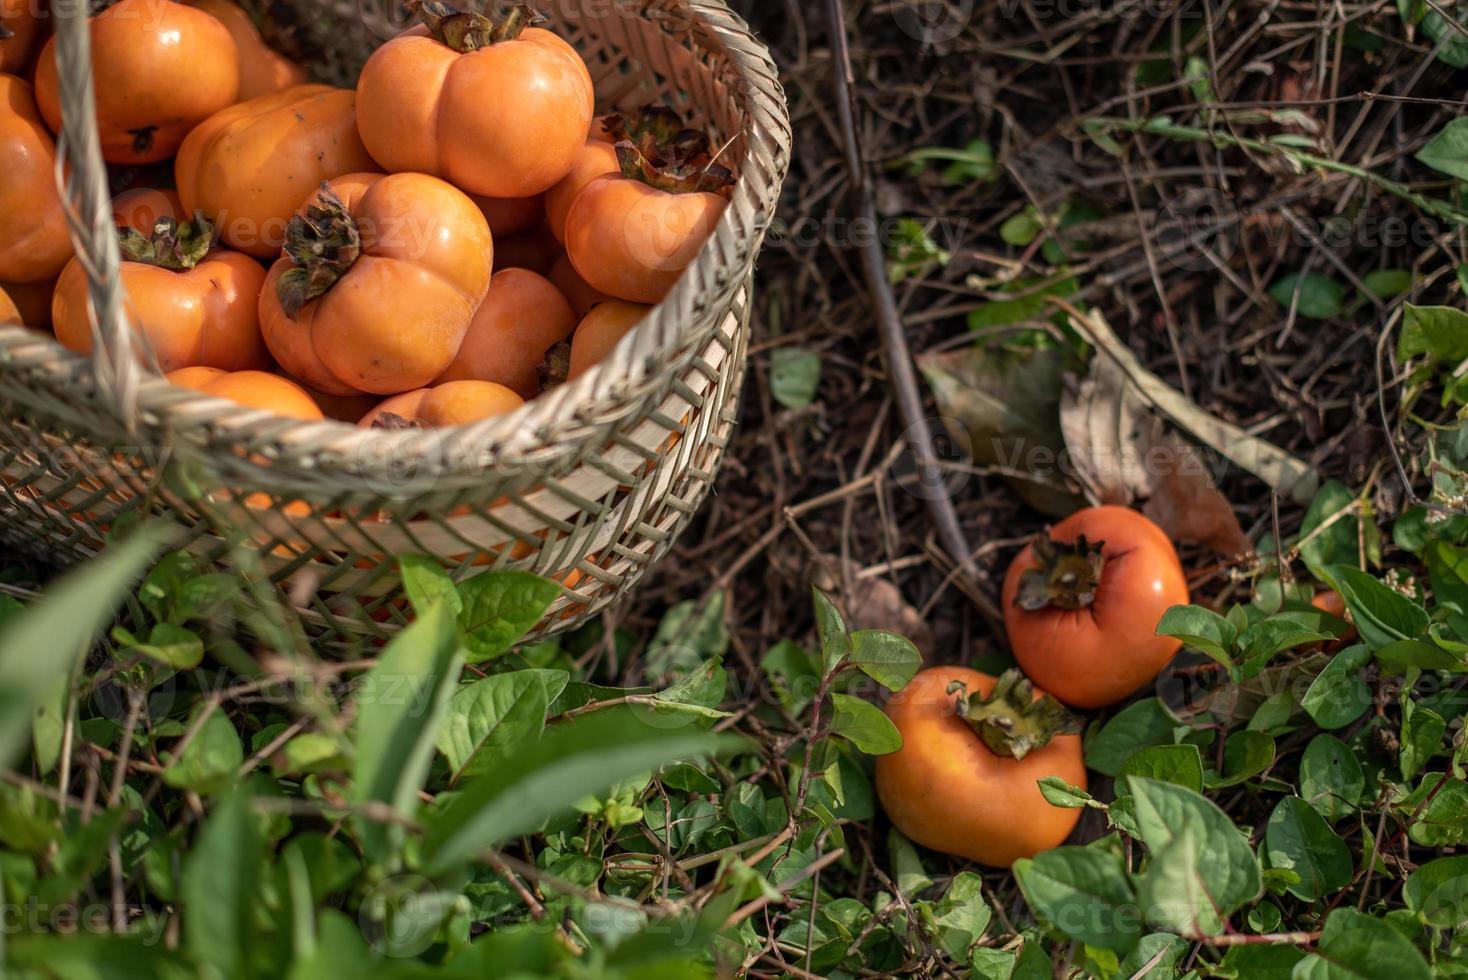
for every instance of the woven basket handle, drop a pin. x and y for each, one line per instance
(114, 356)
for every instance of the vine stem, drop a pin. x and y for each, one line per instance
(1161, 126)
(1240, 939)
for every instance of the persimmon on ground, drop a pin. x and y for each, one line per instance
(381, 290)
(262, 68)
(600, 331)
(34, 243)
(196, 305)
(496, 106)
(159, 69)
(1082, 605)
(249, 167)
(522, 318)
(965, 781)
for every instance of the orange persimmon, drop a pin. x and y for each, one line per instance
(500, 108)
(262, 68)
(384, 288)
(596, 159)
(32, 300)
(600, 331)
(143, 207)
(577, 291)
(249, 167)
(34, 242)
(23, 20)
(454, 403)
(159, 69)
(509, 216)
(522, 318)
(195, 304)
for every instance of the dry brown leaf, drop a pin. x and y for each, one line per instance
(872, 603)
(1122, 452)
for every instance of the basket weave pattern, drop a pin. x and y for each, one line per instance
(589, 484)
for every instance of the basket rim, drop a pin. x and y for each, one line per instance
(605, 393)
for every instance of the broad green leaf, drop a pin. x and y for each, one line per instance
(427, 582)
(1085, 893)
(1403, 655)
(793, 673)
(701, 691)
(886, 658)
(1382, 615)
(544, 778)
(1180, 765)
(1062, 794)
(173, 646)
(1447, 152)
(1261, 962)
(308, 753)
(1135, 727)
(690, 634)
(209, 761)
(1358, 947)
(1339, 696)
(1320, 297)
(91, 956)
(1387, 283)
(1174, 891)
(1438, 892)
(1214, 861)
(1443, 822)
(220, 875)
(795, 376)
(1331, 779)
(1339, 542)
(1298, 839)
(864, 725)
(963, 915)
(64, 623)
(499, 608)
(907, 864)
(1438, 332)
(1202, 629)
(48, 726)
(493, 716)
(401, 703)
(1422, 737)
(1246, 754)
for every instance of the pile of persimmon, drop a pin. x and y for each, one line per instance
(436, 246)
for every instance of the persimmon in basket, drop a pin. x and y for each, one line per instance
(159, 69)
(449, 404)
(262, 69)
(500, 107)
(383, 288)
(632, 234)
(196, 304)
(20, 30)
(34, 243)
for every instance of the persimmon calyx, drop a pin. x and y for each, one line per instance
(556, 368)
(174, 246)
(1011, 721)
(669, 173)
(661, 129)
(324, 243)
(465, 30)
(1066, 577)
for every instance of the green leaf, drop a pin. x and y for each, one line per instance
(64, 624)
(1180, 765)
(1298, 839)
(209, 761)
(1320, 297)
(962, 916)
(1382, 615)
(1085, 893)
(907, 864)
(173, 646)
(1246, 754)
(795, 376)
(308, 753)
(793, 673)
(1135, 727)
(1404, 655)
(701, 691)
(1329, 538)
(427, 583)
(886, 658)
(48, 727)
(219, 888)
(1385, 284)
(1447, 152)
(1261, 962)
(1156, 956)
(492, 717)
(864, 725)
(690, 634)
(1422, 737)
(1444, 821)
(499, 608)
(83, 956)
(1058, 792)
(1202, 867)
(1021, 229)
(1437, 332)
(836, 645)
(1030, 301)
(1359, 947)
(1438, 892)
(1331, 779)
(1339, 696)
(1202, 629)
(401, 703)
(572, 760)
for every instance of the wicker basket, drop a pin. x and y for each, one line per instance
(589, 484)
